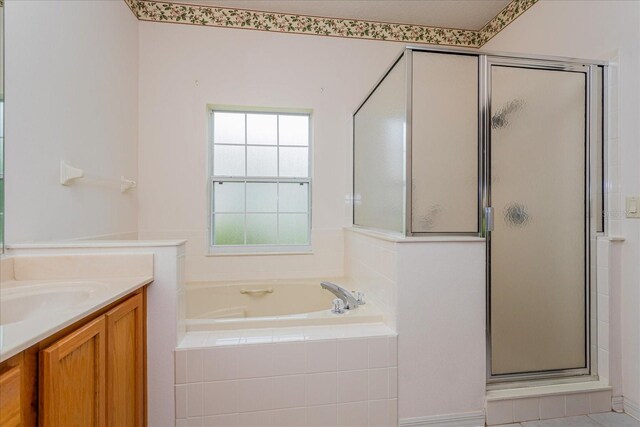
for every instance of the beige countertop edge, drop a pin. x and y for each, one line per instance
(129, 285)
(97, 244)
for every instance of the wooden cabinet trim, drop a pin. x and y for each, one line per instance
(132, 305)
(66, 345)
(10, 398)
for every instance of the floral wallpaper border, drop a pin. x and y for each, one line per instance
(506, 16)
(213, 16)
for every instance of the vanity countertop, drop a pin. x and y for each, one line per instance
(43, 294)
(40, 308)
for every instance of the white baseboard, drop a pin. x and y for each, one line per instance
(632, 408)
(466, 419)
(617, 403)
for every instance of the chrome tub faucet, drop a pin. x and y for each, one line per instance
(349, 300)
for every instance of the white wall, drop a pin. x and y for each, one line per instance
(183, 68)
(602, 30)
(71, 94)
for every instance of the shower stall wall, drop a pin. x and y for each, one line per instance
(425, 109)
(507, 148)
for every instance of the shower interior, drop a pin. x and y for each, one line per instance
(506, 148)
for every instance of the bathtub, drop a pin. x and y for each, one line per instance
(212, 306)
(242, 349)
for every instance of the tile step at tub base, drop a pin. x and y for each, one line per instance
(547, 402)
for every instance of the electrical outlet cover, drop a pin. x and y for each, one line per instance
(633, 207)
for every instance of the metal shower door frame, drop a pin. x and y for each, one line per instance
(589, 370)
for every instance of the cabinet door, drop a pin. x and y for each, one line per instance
(73, 379)
(10, 407)
(125, 368)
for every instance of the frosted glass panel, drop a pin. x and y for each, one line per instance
(293, 197)
(379, 183)
(537, 247)
(294, 130)
(262, 197)
(228, 197)
(444, 143)
(228, 128)
(294, 162)
(262, 129)
(228, 160)
(262, 229)
(228, 229)
(262, 161)
(293, 229)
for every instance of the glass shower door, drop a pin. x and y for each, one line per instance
(537, 248)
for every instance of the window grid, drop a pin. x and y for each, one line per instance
(217, 180)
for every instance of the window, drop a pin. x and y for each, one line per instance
(260, 181)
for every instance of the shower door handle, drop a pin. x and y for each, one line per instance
(488, 218)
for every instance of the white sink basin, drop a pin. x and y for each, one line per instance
(31, 301)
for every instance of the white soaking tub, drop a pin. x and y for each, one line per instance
(267, 304)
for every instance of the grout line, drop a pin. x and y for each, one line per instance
(595, 421)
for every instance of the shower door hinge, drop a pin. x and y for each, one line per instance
(488, 218)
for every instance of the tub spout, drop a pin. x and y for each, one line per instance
(350, 301)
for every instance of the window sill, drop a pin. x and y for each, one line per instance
(253, 251)
(230, 254)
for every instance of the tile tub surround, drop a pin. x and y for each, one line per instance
(547, 402)
(371, 266)
(314, 376)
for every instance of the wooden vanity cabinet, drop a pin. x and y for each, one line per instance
(73, 378)
(90, 374)
(125, 364)
(18, 390)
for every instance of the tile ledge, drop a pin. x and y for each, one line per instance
(238, 337)
(547, 390)
(399, 238)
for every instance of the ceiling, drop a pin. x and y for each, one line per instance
(462, 14)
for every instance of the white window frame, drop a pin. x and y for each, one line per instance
(252, 249)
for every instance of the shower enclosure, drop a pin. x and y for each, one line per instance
(453, 142)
